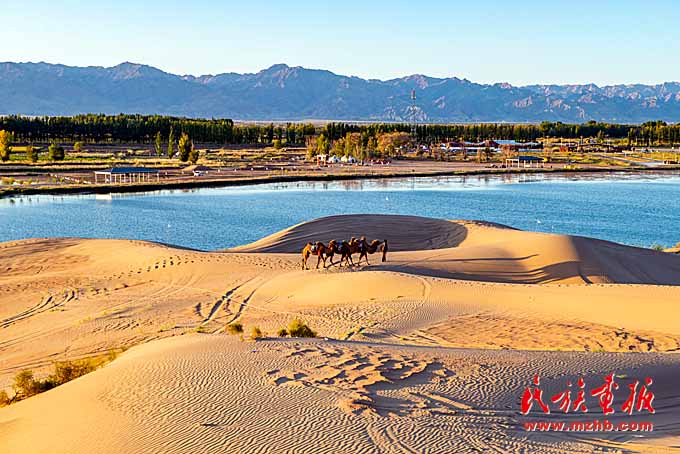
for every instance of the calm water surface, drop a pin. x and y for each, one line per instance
(633, 209)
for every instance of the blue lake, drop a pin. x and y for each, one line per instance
(635, 209)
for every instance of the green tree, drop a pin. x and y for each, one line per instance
(171, 143)
(310, 144)
(372, 148)
(389, 143)
(193, 154)
(349, 145)
(159, 144)
(5, 140)
(322, 144)
(78, 147)
(184, 147)
(339, 147)
(277, 144)
(56, 152)
(31, 153)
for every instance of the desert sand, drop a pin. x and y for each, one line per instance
(427, 352)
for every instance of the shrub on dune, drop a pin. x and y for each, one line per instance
(298, 328)
(256, 333)
(4, 398)
(235, 328)
(283, 332)
(69, 370)
(26, 385)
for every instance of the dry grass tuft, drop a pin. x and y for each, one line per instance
(299, 328)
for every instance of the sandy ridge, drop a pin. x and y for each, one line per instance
(396, 384)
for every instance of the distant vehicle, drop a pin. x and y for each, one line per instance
(198, 173)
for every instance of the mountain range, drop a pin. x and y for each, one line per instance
(283, 93)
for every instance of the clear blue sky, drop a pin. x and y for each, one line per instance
(520, 42)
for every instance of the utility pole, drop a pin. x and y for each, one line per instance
(414, 112)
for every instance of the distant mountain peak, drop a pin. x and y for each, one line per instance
(419, 80)
(276, 67)
(129, 70)
(282, 92)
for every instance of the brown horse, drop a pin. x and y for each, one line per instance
(318, 249)
(366, 248)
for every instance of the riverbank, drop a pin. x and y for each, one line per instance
(198, 182)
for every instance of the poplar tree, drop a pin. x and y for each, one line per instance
(184, 147)
(193, 154)
(171, 143)
(159, 144)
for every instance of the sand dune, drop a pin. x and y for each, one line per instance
(481, 251)
(405, 233)
(389, 380)
(537, 258)
(211, 393)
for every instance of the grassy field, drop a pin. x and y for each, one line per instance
(243, 165)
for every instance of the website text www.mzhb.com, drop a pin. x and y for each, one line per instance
(595, 425)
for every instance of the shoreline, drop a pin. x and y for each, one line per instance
(258, 180)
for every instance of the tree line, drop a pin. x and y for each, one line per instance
(123, 128)
(650, 133)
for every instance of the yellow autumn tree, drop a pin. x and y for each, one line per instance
(5, 140)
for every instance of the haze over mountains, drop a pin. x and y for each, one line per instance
(295, 93)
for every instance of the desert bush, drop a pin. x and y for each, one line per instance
(283, 332)
(4, 398)
(113, 354)
(256, 333)
(69, 370)
(235, 328)
(26, 385)
(298, 328)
